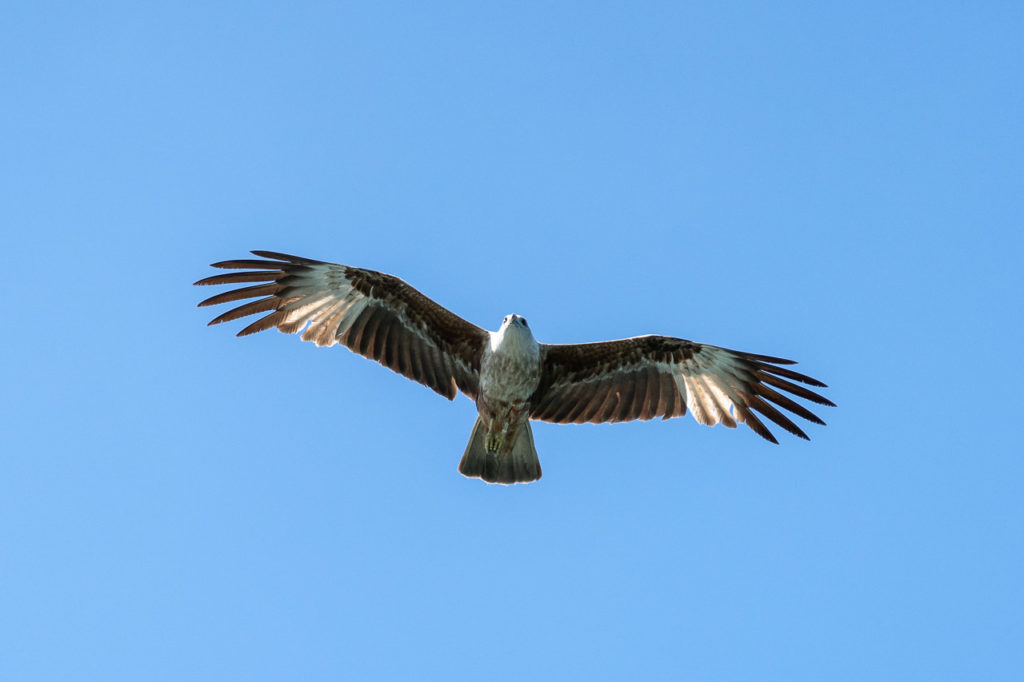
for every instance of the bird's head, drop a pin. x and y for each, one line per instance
(515, 322)
(515, 331)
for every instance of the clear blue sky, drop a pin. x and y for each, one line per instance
(839, 185)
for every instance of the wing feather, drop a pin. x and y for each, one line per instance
(626, 395)
(716, 399)
(602, 410)
(659, 376)
(374, 314)
(798, 391)
(770, 411)
(674, 406)
(697, 401)
(587, 401)
(241, 294)
(253, 307)
(644, 392)
(787, 403)
(789, 374)
(238, 278)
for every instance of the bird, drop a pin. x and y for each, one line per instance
(510, 376)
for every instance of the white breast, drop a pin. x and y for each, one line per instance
(510, 367)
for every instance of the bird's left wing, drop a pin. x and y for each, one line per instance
(659, 376)
(376, 315)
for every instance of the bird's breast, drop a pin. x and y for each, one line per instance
(509, 374)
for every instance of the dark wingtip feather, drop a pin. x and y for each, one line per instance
(769, 358)
(262, 305)
(755, 424)
(790, 374)
(246, 264)
(786, 402)
(772, 413)
(790, 387)
(243, 293)
(213, 300)
(283, 257)
(218, 320)
(262, 324)
(241, 277)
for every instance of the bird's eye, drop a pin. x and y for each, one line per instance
(524, 321)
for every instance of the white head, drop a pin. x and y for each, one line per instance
(513, 330)
(516, 322)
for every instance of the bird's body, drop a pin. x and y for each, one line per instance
(509, 375)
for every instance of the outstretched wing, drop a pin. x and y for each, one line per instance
(376, 315)
(659, 376)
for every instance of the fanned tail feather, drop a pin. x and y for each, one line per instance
(520, 465)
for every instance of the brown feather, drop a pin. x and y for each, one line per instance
(354, 336)
(262, 324)
(796, 390)
(601, 410)
(366, 343)
(787, 403)
(587, 400)
(296, 260)
(751, 420)
(261, 306)
(245, 264)
(243, 293)
(645, 393)
(381, 346)
(790, 374)
(428, 370)
(403, 354)
(627, 392)
(238, 278)
(782, 420)
(667, 396)
(762, 358)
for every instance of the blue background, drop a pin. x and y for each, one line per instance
(840, 185)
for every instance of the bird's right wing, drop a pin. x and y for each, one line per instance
(659, 376)
(376, 315)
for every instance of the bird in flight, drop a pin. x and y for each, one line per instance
(509, 375)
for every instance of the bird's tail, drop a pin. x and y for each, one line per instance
(520, 465)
